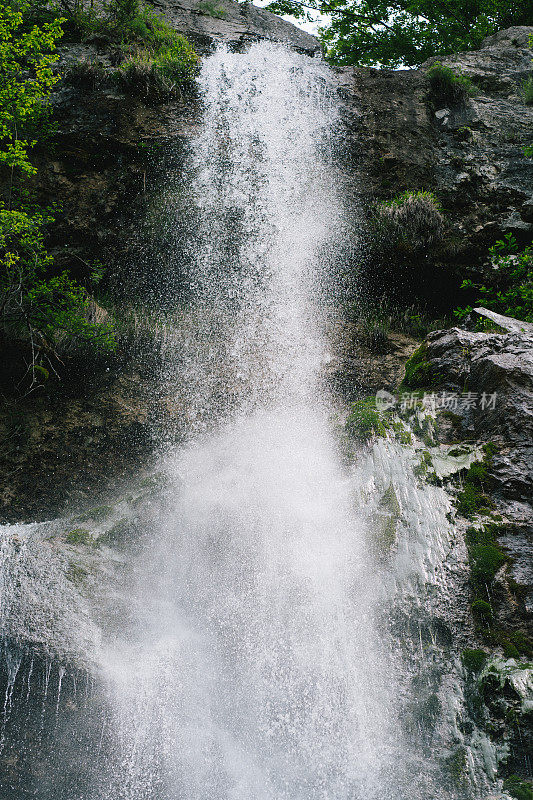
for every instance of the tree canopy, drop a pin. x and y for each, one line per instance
(406, 32)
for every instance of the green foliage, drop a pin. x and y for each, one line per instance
(408, 224)
(45, 310)
(418, 370)
(407, 32)
(26, 80)
(485, 556)
(448, 86)
(518, 788)
(159, 70)
(474, 660)
(79, 536)
(410, 196)
(482, 612)
(486, 560)
(511, 290)
(35, 306)
(528, 151)
(522, 642)
(527, 91)
(425, 465)
(365, 421)
(473, 498)
(211, 9)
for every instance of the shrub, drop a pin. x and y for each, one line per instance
(41, 310)
(409, 223)
(160, 70)
(527, 91)
(482, 612)
(512, 291)
(26, 81)
(447, 86)
(518, 788)
(365, 421)
(473, 660)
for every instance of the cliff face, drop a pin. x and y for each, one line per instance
(469, 151)
(107, 171)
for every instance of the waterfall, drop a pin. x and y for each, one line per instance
(258, 670)
(256, 646)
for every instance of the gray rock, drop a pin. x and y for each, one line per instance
(225, 22)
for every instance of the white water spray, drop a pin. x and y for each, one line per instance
(257, 670)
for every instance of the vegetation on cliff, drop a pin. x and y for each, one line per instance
(45, 313)
(509, 288)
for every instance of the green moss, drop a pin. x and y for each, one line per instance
(365, 421)
(455, 419)
(79, 536)
(117, 534)
(471, 500)
(473, 497)
(385, 533)
(522, 642)
(211, 9)
(421, 469)
(427, 713)
(509, 650)
(482, 612)
(400, 433)
(419, 372)
(486, 560)
(473, 660)
(455, 766)
(518, 788)
(97, 514)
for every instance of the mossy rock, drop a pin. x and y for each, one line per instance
(97, 514)
(518, 788)
(522, 642)
(79, 536)
(118, 534)
(365, 421)
(76, 574)
(473, 660)
(385, 534)
(428, 712)
(419, 372)
(454, 767)
(470, 501)
(482, 612)
(486, 560)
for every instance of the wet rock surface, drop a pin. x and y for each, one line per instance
(470, 153)
(233, 24)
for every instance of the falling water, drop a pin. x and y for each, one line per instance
(256, 669)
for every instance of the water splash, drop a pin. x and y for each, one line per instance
(257, 670)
